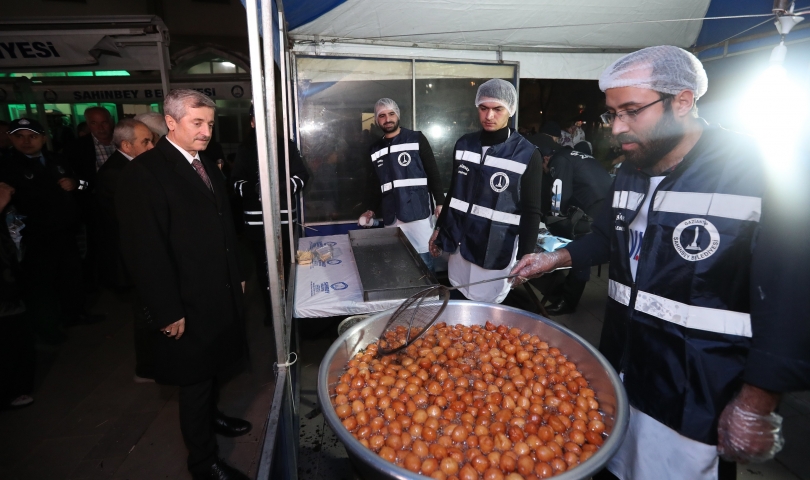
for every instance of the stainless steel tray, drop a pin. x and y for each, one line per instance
(388, 265)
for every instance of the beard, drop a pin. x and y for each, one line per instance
(388, 128)
(664, 136)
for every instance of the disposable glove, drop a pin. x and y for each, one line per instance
(745, 436)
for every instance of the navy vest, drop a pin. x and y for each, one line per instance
(484, 215)
(681, 331)
(403, 182)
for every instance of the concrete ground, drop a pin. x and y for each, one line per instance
(90, 420)
(322, 457)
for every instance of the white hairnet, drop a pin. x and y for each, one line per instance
(665, 69)
(498, 91)
(386, 104)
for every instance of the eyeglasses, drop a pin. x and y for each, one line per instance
(627, 116)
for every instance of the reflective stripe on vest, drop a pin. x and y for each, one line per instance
(505, 164)
(394, 148)
(737, 207)
(407, 182)
(467, 156)
(495, 215)
(690, 316)
(626, 199)
(619, 292)
(459, 205)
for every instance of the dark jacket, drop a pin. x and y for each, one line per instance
(680, 332)
(112, 265)
(245, 178)
(180, 248)
(49, 210)
(11, 290)
(485, 210)
(81, 156)
(585, 183)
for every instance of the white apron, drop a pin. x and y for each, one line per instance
(651, 450)
(460, 272)
(417, 232)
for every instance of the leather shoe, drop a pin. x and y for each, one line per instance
(230, 426)
(560, 308)
(220, 471)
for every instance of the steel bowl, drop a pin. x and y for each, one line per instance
(602, 377)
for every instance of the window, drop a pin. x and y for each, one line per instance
(216, 65)
(336, 98)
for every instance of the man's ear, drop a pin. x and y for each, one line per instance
(170, 122)
(683, 102)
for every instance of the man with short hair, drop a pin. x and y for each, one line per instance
(86, 156)
(131, 138)
(699, 365)
(45, 195)
(491, 215)
(180, 248)
(156, 123)
(408, 190)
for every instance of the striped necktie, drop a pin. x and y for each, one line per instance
(198, 166)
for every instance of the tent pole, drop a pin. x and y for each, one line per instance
(286, 138)
(164, 71)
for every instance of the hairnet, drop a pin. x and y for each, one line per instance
(386, 104)
(498, 91)
(665, 69)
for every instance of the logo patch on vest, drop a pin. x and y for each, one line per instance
(696, 239)
(463, 169)
(499, 182)
(404, 159)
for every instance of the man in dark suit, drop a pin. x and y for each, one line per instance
(179, 246)
(131, 138)
(86, 156)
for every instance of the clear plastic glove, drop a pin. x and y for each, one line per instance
(535, 264)
(434, 249)
(365, 219)
(745, 436)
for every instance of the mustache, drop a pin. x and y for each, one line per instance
(202, 138)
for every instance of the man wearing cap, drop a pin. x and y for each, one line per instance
(409, 185)
(701, 368)
(45, 195)
(492, 213)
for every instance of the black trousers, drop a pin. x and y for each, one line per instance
(17, 357)
(52, 272)
(197, 410)
(725, 471)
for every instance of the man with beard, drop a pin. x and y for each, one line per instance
(680, 232)
(409, 181)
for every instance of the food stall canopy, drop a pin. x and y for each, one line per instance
(575, 39)
(74, 43)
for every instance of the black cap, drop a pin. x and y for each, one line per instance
(583, 147)
(551, 128)
(544, 143)
(26, 124)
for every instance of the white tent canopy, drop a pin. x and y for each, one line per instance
(574, 39)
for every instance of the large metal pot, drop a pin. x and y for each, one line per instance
(603, 378)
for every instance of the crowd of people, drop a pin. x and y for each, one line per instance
(705, 305)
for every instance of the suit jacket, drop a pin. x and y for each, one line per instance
(180, 249)
(81, 155)
(112, 266)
